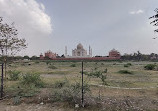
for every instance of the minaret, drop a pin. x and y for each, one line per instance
(65, 51)
(89, 51)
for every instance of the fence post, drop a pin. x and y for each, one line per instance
(2, 82)
(82, 87)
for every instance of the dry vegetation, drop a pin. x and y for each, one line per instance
(124, 91)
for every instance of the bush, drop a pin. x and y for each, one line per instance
(98, 74)
(73, 65)
(114, 63)
(32, 79)
(150, 66)
(14, 75)
(48, 62)
(106, 70)
(70, 93)
(60, 84)
(37, 62)
(127, 65)
(52, 67)
(125, 72)
(16, 100)
(21, 90)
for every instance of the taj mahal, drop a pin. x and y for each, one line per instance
(79, 52)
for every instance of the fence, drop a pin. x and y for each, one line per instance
(2, 75)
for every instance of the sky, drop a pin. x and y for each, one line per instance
(103, 24)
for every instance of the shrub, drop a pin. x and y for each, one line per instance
(127, 65)
(47, 62)
(52, 67)
(150, 66)
(60, 84)
(14, 75)
(16, 100)
(125, 72)
(32, 79)
(36, 62)
(21, 90)
(106, 70)
(114, 63)
(73, 65)
(70, 93)
(98, 74)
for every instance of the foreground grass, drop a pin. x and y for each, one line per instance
(116, 90)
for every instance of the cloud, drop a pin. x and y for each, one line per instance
(137, 12)
(30, 19)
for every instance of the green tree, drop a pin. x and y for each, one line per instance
(155, 21)
(10, 44)
(26, 57)
(34, 58)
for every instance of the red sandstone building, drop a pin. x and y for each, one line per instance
(114, 53)
(49, 55)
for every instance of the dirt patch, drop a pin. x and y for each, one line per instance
(6, 105)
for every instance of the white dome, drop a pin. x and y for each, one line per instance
(79, 46)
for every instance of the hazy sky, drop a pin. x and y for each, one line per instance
(102, 24)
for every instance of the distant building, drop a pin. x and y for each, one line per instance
(49, 54)
(41, 56)
(79, 52)
(114, 53)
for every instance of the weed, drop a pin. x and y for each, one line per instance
(125, 72)
(47, 62)
(73, 65)
(150, 66)
(106, 70)
(60, 84)
(70, 93)
(36, 62)
(21, 90)
(32, 79)
(16, 100)
(14, 75)
(114, 63)
(52, 67)
(127, 65)
(98, 74)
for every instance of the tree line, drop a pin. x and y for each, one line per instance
(138, 56)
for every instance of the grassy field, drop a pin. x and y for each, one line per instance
(137, 90)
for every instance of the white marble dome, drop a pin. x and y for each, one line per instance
(79, 46)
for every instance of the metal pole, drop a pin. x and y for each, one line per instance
(2, 82)
(82, 87)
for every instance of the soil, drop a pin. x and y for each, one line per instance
(7, 105)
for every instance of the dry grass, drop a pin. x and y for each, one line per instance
(147, 80)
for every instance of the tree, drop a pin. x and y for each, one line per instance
(34, 58)
(10, 44)
(155, 21)
(26, 57)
